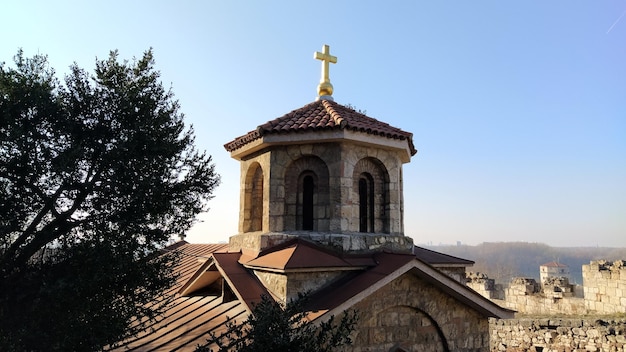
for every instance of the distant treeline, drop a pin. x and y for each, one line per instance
(504, 260)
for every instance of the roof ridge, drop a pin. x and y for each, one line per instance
(416, 248)
(323, 115)
(334, 114)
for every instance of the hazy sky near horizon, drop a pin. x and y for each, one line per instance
(517, 108)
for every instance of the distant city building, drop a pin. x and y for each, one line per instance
(553, 269)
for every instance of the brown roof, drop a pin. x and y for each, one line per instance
(437, 258)
(187, 319)
(301, 254)
(344, 289)
(245, 285)
(554, 265)
(190, 317)
(323, 115)
(391, 265)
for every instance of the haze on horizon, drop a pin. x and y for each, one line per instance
(517, 109)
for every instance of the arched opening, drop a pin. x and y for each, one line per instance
(366, 203)
(371, 196)
(307, 195)
(308, 191)
(256, 211)
(409, 328)
(253, 199)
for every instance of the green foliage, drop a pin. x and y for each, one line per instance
(276, 327)
(354, 108)
(96, 175)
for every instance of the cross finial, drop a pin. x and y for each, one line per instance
(325, 88)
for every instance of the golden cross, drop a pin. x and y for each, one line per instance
(325, 88)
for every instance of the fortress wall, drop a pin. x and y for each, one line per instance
(538, 305)
(567, 335)
(604, 286)
(603, 292)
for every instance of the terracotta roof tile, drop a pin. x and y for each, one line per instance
(323, 115)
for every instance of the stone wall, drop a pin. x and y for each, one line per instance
(526, 296)
(603, 292)
(605, 286)
(482, 284)
(287, 286)
(410, 314)
(562, 335)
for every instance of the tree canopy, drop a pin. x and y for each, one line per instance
(273, 326)
(97, 173)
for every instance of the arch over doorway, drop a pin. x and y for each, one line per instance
(409, 328)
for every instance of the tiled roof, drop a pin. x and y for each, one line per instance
(554, 265)
(323, 115)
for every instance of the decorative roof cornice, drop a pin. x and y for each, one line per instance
(323, 115)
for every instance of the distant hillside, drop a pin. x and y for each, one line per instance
(503, 260)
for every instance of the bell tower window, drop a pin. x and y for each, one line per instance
(306, 196)
(366, 203)
(256, 211)
(308, 191)
(371, 197)
(253, 205)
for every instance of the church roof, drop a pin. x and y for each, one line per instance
(344, 293)
(194, 312)
(184, 324)
(319, 116)
(300, 254)
(437, 258)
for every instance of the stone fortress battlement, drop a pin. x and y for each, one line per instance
(603, 291)
(554, 315)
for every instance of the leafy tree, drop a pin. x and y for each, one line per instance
(273, 326)
(96, 175)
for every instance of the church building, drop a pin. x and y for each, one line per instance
(322, 211)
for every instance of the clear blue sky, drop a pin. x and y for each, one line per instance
(518, 109)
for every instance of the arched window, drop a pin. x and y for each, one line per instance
(308, 191)
(371, 197)
(307, 195)
(253, 201)
(366, 203)
(257, 201)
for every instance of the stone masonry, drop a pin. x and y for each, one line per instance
(270, 179)
(605, 286)
(410, 309)
(558, 335)
(603, 292)
(599, 306)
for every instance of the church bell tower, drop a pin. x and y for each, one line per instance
(324, 173)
